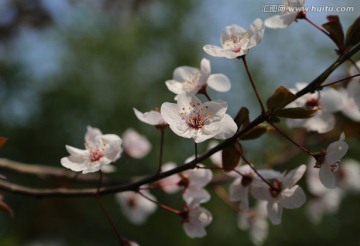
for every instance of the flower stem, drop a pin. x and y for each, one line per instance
(257, 173)
(162, 134)
(253, 85)
(160, 205)
(196, 154)
(291, 140)
(317, 27)
(338, 81)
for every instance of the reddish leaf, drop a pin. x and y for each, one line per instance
(353, 34)
(242, 117)
(281, 97)
(333, 26)
(254, 133)
(231, 156)
(297, 113)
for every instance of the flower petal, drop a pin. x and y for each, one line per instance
(185, 73)
(292, 177)
(293, 197)
(175, 86)
(256, 33)
(151, 118)
(219, 82)
(280, 21)
(217, 51)
(274, 212)
(335, 152)
(198, 218)
(193, 196)
(228, 128)
(205, 68)
(327, 177)
(113, 146)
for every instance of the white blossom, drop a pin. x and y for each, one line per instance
(192, 80)
(350, 106)
(195, 220)
(100, 150)
(328, 162)
(194, 181)
(170, 184)
(348, 175)
(190, 118)
(240, 188)
(291, 10)
(255, 220)
(329, 102)
(284, 193)
(324, 201)
(236, 41)
(136, 207)
(135, 145)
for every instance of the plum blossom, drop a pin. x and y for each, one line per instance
(240, 188)
(152, 117)
(190, 118)
(170, 184)
(193, 80)
(328, 161)
(236, 41)
(329, 102)
(136, 207)
(282, 194)
(194, 181)
(255, 220)
(351, 95)
(195, 219)
(100, 150)
(350, 107)
(348, 176)
(135, 145)
(291, 11)
(325, 201)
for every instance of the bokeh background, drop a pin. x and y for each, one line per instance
(72, 63)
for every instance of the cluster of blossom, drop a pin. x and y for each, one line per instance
(190, 118)
(330, 100)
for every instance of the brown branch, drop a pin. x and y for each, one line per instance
(47, 172)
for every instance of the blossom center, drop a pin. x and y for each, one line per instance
(312, 103)
(236, 42)
(276, 188)
(197, 117)
(247, 179)
(95, 155)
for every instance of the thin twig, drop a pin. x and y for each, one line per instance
(253, 85)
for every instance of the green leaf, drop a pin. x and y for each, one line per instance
(254, 133)
(333, 26)
(231, 156)
(297, 113)
(281, 97)
(353, 34)
(242, 117)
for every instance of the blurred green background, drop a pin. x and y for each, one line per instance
(68, 64)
